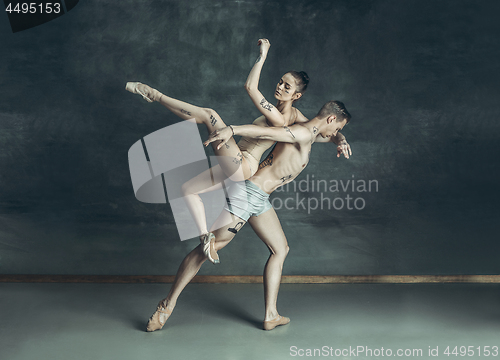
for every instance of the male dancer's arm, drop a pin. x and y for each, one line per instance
(343, 146)
(289, 134)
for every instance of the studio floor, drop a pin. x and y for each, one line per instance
(223, 321)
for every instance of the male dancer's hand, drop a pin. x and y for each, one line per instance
(223, 134)
(344, 148)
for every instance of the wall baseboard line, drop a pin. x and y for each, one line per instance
(254, 279)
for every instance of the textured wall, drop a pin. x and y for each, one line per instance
(419, 77)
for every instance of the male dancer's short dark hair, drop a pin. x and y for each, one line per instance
(335, 107)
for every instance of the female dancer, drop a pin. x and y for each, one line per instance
(236, 161)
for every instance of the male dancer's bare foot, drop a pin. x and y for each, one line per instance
(147, 92)
(208, 242)
(160, 317)
(277, 321)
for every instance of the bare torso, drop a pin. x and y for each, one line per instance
(253, 149)
(282, 165)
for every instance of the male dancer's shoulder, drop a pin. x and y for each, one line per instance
(299, 132)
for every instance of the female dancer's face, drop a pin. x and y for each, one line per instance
(285, 90)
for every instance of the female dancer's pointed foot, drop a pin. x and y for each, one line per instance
(277, 321)
(208, 242)
(148, 93)
(159, 318)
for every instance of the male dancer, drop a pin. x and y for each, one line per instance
(248, 201)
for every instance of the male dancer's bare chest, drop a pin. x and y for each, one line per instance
(281, 166)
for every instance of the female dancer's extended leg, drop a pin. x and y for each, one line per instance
(231, 162)
(235, 166)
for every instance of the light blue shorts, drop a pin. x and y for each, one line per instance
(247, 199)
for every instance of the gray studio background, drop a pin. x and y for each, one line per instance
(419, 77)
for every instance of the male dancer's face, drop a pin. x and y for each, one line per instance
(333, 128)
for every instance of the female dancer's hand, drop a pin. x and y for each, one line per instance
(264, 46)
(223, 135)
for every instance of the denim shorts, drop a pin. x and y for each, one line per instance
(247, 199)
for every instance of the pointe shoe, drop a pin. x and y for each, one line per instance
(277, 321)
(209, 247)
(150, 97)
(154, 322)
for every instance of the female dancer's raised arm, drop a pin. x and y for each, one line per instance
(273, 115)
(289, 89)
